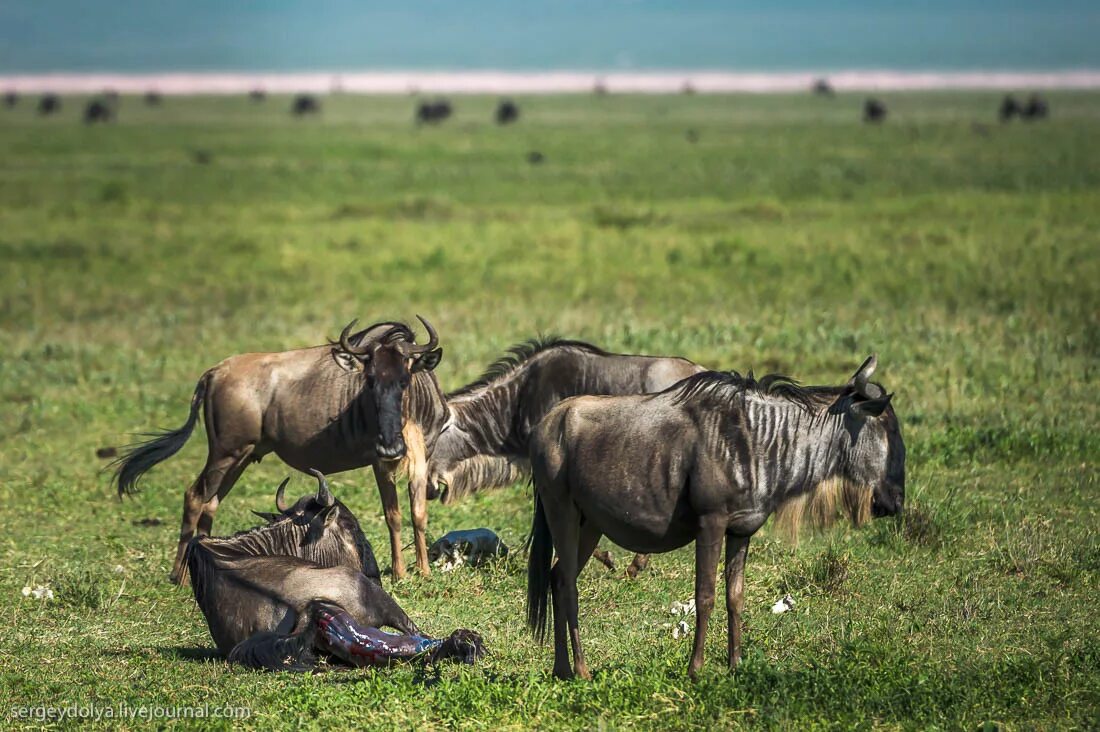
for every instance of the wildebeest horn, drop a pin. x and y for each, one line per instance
(324, 495)
(860, 381)
(280, 501)
(346, 344)
(433, 338)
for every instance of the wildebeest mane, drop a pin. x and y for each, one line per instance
(727, 385)
(518, 355)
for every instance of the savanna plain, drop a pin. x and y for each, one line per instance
(777, 233)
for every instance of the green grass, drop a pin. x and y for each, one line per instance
(789, 238)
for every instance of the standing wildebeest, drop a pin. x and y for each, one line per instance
(1036, 108)
(305, 104)
(507, 112)
(11, 98)
(477, 437)
(257, 95)
(874, 111)
(433, 112)
(98, 110)
(1009, 108)
(153, 98)
(823, 88)
(705, 461)
(335, 407)
(277, 595)
(48, 104)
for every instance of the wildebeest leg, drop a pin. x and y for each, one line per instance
(564, 522)
(604, 557)
(589, 538)
(737, 551)
(387, 490)
(417, 461)
(641, 561)
(708, 545)
(195, 521)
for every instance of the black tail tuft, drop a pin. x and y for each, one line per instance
(141, 456)
(538, 573)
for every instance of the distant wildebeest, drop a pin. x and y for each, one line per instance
(823, 88)
(11, 99)
(279, 596)
(332, 408)
(507, 112)
(692, 136)
(153, 98)
(708, 461)
(874, 111)
(48, 104)
(433, 112)
(1036, 108)
(476, 437)
(687, 88)
(535, 157)
(1009, 108)
(257, 95)
(98, 110)
(305, 104)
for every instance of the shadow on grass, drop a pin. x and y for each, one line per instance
(184, 653)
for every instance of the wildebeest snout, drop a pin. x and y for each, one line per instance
(394, 451)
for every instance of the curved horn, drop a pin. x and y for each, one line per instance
(860, 381)
(433, 338)
(324, 495)
(280, 500)
(346, 344)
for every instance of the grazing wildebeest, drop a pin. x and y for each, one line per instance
(1036, 108)
(535, 157)
(277, 596)
(48, 104)
(433, 112)
(98, 110)
(335, 407)
(823, 88)
(507, 112)
(479, 434)
(153, 98)
(305, 104)
(11, 98)
(257, 95)
(1009, 108)
(874, 111)
(708, 461)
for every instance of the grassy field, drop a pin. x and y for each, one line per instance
(787, 237)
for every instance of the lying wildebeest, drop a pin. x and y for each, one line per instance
(335, 407)
(874, 111)
(11, 98)
(305, 104)
(48, 104)
(507, 112)
(98, 110)
(708, 461)
(1036, 108)
(473, 546)
(1009, 108)
(433, 112)
(482, 431)
(278, 596)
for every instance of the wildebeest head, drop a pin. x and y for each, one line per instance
(876, 456)
(333, 536)
(388, 363)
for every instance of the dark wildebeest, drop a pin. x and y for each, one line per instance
(48, 104)
(507, 112)
(257, 95)
(874, 111)
(481, 431)
(708, 461)
(1036, 108)
(433, 112)
(277, 596)
(98, 110)
(305, 104)
(153, 98)
(335, 407)
(823, 88)
(11, 99)
(1009, 108)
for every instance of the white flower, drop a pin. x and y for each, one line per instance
(39, 593)
(118, 569)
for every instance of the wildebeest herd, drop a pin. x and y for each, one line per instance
(654, 452)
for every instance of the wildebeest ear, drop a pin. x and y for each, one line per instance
(268, 517)
(866, 408)
(428, 361)
(321, 523)
(347, 361)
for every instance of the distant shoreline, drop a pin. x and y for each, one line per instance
(544, 82)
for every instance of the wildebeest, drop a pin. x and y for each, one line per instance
(708, 461)
(257, 95)
(874, 111)
(507, 112)
(822, 88)
(153, 98)
(277, 596)
(305, 104)
(11, 98)
(1036, 108)
(1009, 108)
(433, 112)
(332, 408)
(97, 110)
(535, 157)
(48, 104)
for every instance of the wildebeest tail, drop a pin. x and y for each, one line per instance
(141, 456)
(538, 572)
